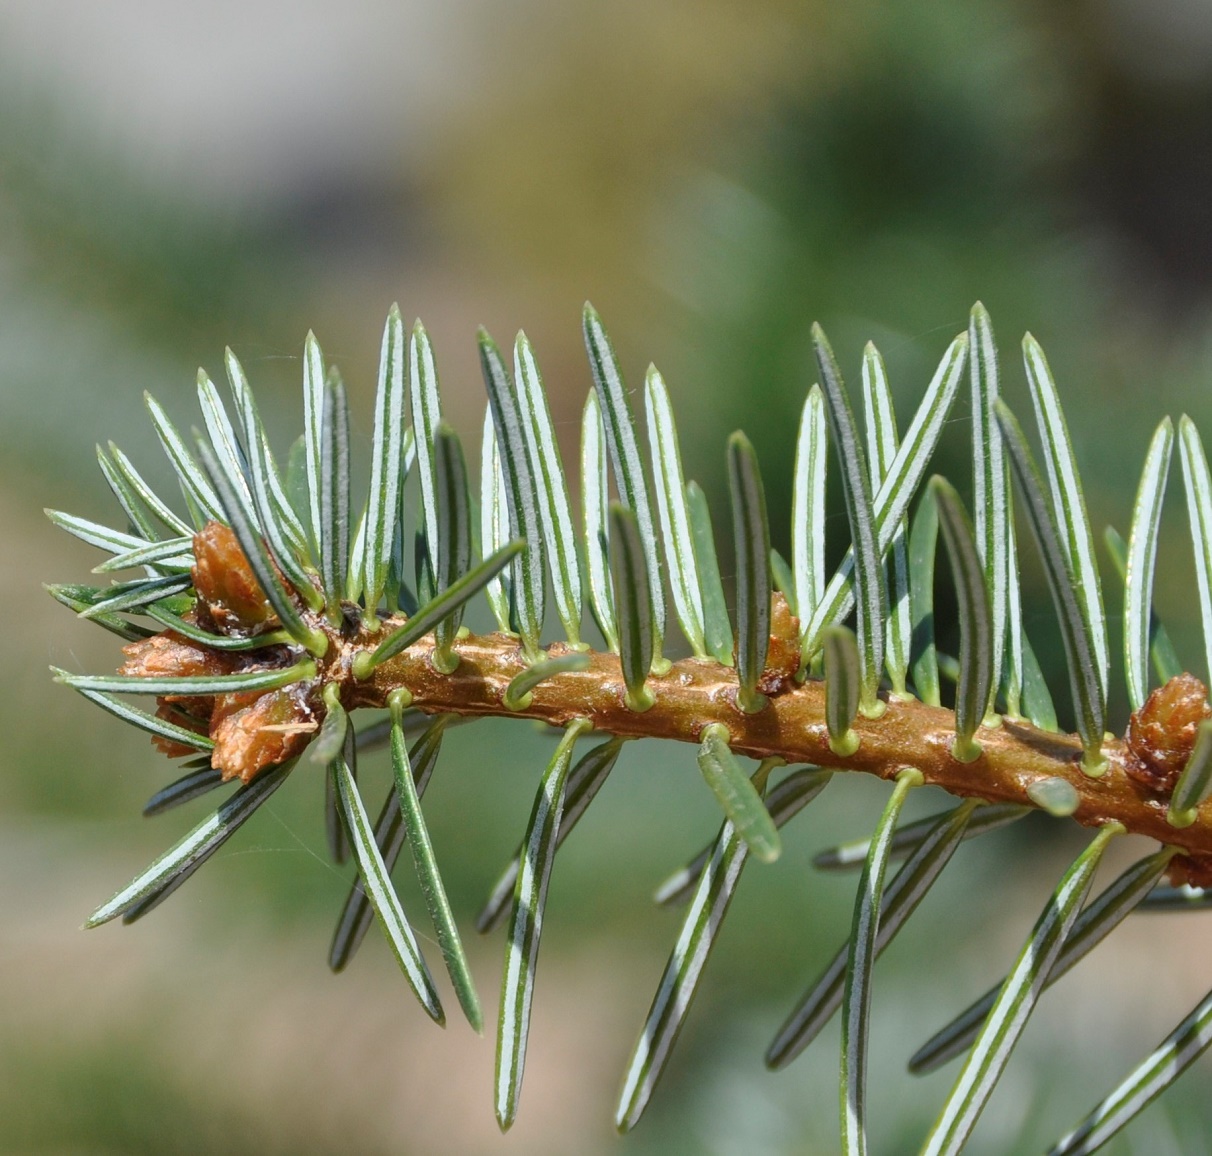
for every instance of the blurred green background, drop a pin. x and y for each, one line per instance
(714, 177)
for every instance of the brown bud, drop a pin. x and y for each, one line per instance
(252, 732)
(225, 582)
(1161, 734)
(1193, 870)
(169, 655)
(783, 657)
(191, 720)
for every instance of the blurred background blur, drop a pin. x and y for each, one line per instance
(714, 177)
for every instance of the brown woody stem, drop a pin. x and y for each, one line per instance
(696, 692)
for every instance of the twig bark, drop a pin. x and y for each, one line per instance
(696, 692)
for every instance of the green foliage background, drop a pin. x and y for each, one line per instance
(714, 177)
